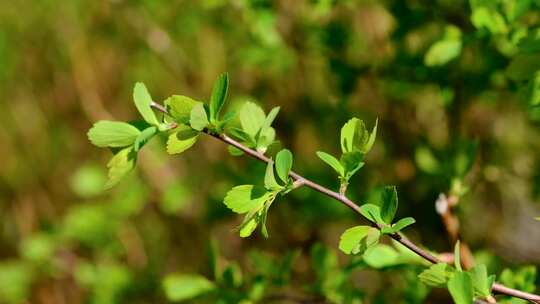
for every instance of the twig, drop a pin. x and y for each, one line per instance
(498, 288)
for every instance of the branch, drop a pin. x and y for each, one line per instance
(498, 288)
(300, 180)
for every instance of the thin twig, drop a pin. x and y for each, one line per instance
(498, 288)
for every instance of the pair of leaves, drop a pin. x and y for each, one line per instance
(116, 134)
(385, 213)
(282, 167)
(184, 110)
(256, 127)
(346, 167)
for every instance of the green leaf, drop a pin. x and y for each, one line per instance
(265, 139)
(481, 282)
(270, 118)
(389, 204)
(269, 178)
(351, 162)
(179, 107)
(332, 162)
(372, 213)
(182, 139)
(457, 256)
(489, 18)
(358, 239)
(198, 118)
(181, 287)
(436, 275)
(356, 138)
(219, 94)
(381, 256)
(461, 288)
(143, 100)
(248, 227)
(252, 118)
(144, 137)
(402, 223)
(284, 160)
(120, 165)
(114, 134)
(244, 198)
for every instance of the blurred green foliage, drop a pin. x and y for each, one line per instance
(455, 86)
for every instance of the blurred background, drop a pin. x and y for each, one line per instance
(454, 85)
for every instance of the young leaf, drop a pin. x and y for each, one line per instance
(114, 134)
(269, 178)
(181, 287)
(356, 138)
(348, 132)
(143, 100)
(457, 256)
(248, 228)
(402, 223)
(198, 118)
(371, 140)
(252, 117)
(436, 275)
(270, 118)
(244, 198)
(351, 162)
(119, 165)
(350, 240)
(461, 288)
(284, 161)
(332, 162)
(219, 94)
(389, 204)
(182, 139)
(266, 138)
(144, 137)
(179, 107)
(481, 282)
(381, 256)
(371, 212)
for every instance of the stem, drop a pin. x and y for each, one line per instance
(300, 180)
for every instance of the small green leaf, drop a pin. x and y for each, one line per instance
(356, 138)
(389, 204)
(181, 287)
(351, 162)
(179, 107)
(144, 137)
(481, 282)
(114, 134)
(402, 223)
(265, 139)
(358, 239)
(143, 100)
(119, 165)
(198, 118)
(348, 132)
(436, 275)
(182, 139)
(247, 229)
(269, 178)
(219, 94)
(332, 162)
(372, 213)
(461, 288)
(244, 198)
(446, 49)
(284, 160)
(457, 256)
(270, 118)
(252, 118)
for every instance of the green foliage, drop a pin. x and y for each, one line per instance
(181, 139)
(446, 49)
(283, 164)
(436, 275)
(460, 286)
(179, 108)
(114, 134)
(143, 102)
(255, 127)
(244, 198)
(332, 162)
(198, 118)
(481, 281)
(219, 94)
(356, 138)
(389, 204)
(120, 165)
(182, 287)
(358, 239)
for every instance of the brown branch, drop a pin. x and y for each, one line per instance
(498, 288)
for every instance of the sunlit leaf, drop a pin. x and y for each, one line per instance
(244, 198)
(181, 287)
(219, 94)
(182, 139)
(389, 204)
(284, 160)
(120, 165)
(461, 288)
(332, 162)
(143, 100)
(106, 133)
(198, 118)
(144, 137)
(179, 107)
(252, 118)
